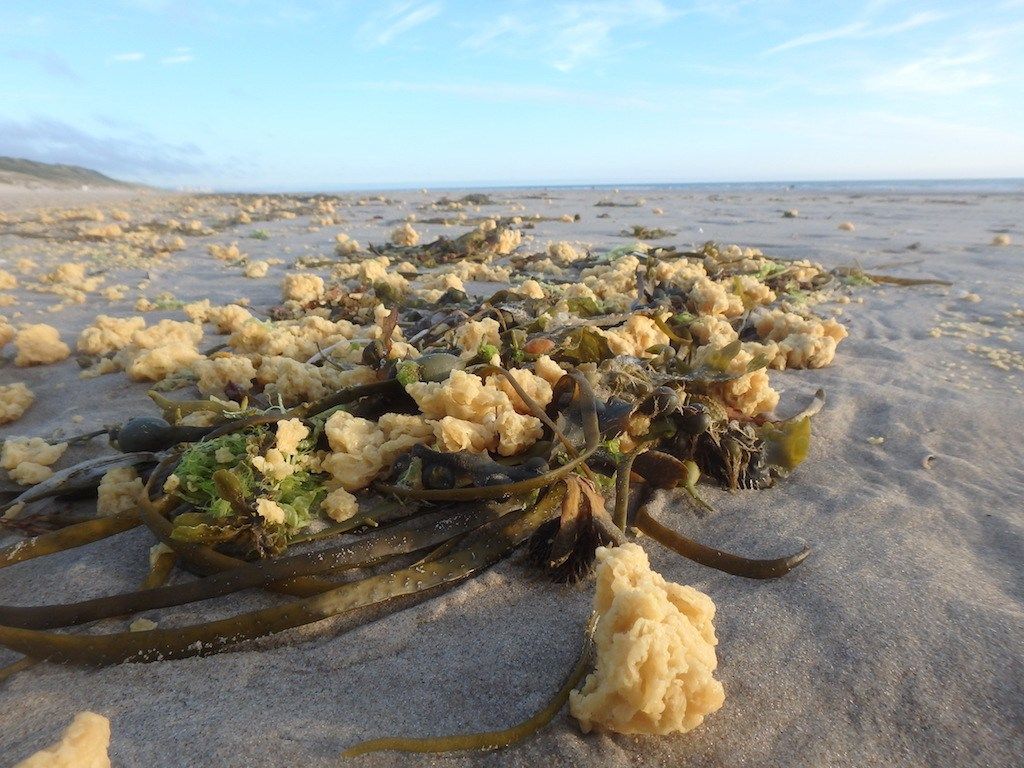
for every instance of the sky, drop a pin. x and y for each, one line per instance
(335, 94)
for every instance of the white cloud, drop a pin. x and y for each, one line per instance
(912, 22)
(181, 55)
(581, 41)
(934, 75)
(131, 56)
(925, 125)
(398, 19)
(571, 33)
(505, 24)
(838, 33)
(859, 30)
(511, 92)
(584, 31)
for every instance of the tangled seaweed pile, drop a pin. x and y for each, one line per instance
(432, 434)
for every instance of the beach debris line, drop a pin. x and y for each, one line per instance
(391, 432)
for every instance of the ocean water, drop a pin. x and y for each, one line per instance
(849, 187)
(900, 186)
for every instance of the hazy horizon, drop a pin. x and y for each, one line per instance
(336, 94)
(996, 184)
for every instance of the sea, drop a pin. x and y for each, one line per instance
(873, 186)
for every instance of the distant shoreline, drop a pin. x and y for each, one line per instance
(1011, 186)
(897, 186)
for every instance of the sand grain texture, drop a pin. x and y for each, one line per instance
(900, 642)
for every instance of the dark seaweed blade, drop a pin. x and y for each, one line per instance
(487, 492)
(660, 469)
(159, 572)
(423, 532)
(489, 739)
(68, 538)
(489, 544)
(720, 560)
(582, 416)
(84, 476)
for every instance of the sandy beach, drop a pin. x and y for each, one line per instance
(899, 642)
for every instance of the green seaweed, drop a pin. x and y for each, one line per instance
(787, 443)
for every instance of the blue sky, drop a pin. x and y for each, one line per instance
(327, 94)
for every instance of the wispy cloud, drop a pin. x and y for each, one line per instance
(823, 36)
(569, 34)
(504, 26)
(385, 26)
(135, 154)
(923, 125)
(49, 62)
(266, 13)
(859, 30)
(940, 74)
(911, 22)
(515, 93)
(584, 31)
(128, 57)
(180, 56)
(154, 6)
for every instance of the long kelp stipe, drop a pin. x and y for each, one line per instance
(505, 737)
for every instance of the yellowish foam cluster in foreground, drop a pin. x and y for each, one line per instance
(655, 644)
(83, 745)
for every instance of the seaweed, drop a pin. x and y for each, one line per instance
(644, 233)
(583, 345)
(605, 431)
(489, 739)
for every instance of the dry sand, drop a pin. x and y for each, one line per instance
(900, 642)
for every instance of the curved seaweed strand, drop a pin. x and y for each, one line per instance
(346, 396)
(72, 536)
(158, 574)
(622, 473)
(426, 531)
(737, 565)
(488, 545)
(588, 410)
(487, 491)
(25, 662)
(488, 739)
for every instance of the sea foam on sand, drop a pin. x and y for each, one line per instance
(897, 643)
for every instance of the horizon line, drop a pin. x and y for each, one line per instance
(446, 185)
